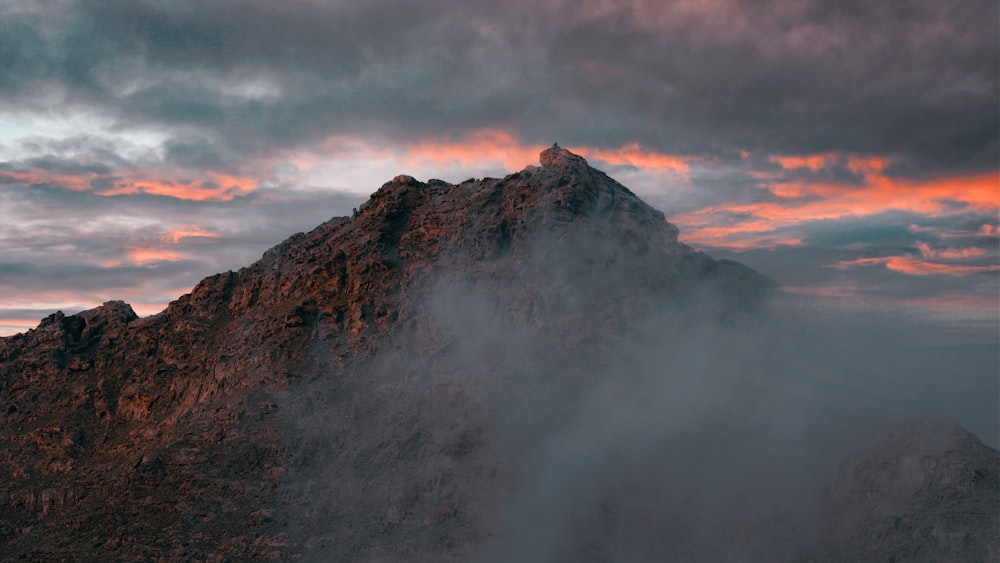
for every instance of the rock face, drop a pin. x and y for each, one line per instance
(926, 491)
(377, 389)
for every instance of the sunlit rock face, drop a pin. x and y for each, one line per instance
(530, 368)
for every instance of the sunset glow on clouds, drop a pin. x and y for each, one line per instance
(848, 154)
(916, 267)
(210, 186)
(798, 202)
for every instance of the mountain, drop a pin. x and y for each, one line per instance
(470, 372)
(923, 491)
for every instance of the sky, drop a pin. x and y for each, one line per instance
(848, 150)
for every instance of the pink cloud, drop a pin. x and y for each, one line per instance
(795, 202)
(987, 230)
(209, 185)
(915, 267)
(633, 155)
(948, 253)
(813, 162)
(178, 234)
(484, 145)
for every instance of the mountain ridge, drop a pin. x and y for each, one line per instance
(358, 392)
(150, 391)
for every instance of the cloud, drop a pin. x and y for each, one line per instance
(813, 162)
(480, 146)
(704, 78)
(634, 155)
(752, 124)
(212, 185)
(948, 253)
(987, 230)
(792, 202)
(911, 266)
(188, 231)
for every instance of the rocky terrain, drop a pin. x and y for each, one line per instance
(470, 372)
(925, 491)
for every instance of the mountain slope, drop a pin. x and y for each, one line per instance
(457, 372)
(158, 435)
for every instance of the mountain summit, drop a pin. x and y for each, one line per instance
(423, 381)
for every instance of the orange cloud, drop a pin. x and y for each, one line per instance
(209, 186)
(798, 203)
(948, 253)
(79, 183)
(146, 256)
(931, 197)
(634, 155)
(745, 236)
(868, 166)
(813, 162)
(987, 230)
(907, 265)
(214, 186)
(174, 236)
(472, 151)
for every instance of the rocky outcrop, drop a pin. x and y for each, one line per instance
(926, 491)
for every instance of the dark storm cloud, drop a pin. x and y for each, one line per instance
(915, 80)
(369, 68)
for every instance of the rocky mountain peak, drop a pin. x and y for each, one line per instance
(556, 156)
(341, 399)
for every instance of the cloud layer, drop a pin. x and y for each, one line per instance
(846, 149)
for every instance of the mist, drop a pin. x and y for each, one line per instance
(577, 399)
(701, 440)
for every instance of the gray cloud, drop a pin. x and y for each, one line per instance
(916, 80)
(226, 85)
